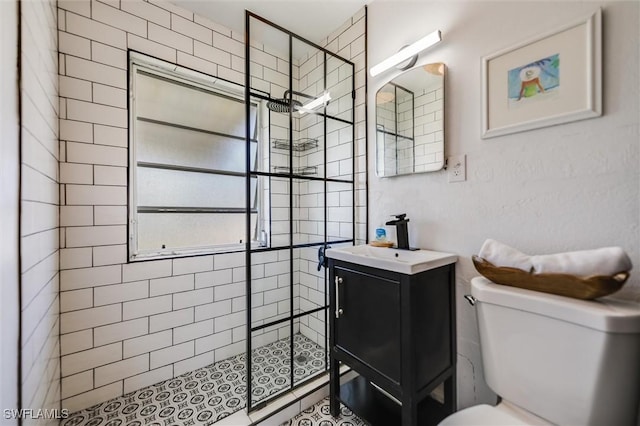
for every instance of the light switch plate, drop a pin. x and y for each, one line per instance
(457, 168)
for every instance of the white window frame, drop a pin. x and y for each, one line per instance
(196, 79)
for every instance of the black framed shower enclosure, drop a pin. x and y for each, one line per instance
(301, 181)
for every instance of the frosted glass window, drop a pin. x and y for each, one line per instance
(188, 160)
(162, 99)
(170, 145)
(175, 188)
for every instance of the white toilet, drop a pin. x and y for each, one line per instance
(555, 360)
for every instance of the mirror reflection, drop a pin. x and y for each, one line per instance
(410, 122)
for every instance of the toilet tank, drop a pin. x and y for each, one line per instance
(569, 361)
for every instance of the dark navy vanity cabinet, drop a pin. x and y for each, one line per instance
(397, 332)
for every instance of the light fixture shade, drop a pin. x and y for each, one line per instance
(404, 54)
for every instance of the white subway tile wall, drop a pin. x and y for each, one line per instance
(128, 325)
(40, 254)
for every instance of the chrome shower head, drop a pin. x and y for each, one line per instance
(284, 105)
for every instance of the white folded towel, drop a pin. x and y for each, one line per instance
(500, 254)
(602, 261)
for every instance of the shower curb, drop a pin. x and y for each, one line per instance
(345, 370)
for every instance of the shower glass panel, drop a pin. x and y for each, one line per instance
(340, 84)
(305, 175)
(276, 211)
(309, 356)
(339, 153)
(270, 362)
(308, 212)
(339, 211)
(270, 295)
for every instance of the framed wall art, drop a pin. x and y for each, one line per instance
(551, 79)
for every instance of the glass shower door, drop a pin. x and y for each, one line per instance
(306, 186)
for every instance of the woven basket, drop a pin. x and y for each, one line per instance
(561, 284)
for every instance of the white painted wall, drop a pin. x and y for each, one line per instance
(569, 187)
(9, 176)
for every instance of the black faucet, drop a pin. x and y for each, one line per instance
(402, 232)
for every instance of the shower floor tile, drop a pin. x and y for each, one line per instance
(320, 415)
(208, 394)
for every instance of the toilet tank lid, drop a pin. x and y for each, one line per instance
(604, 314)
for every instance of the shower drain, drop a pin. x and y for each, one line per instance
(301, 359)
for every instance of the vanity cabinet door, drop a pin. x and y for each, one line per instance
(368, 326)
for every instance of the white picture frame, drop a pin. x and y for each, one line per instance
(550, 79)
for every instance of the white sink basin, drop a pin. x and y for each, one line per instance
(402, 261)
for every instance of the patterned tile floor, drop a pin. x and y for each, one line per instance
(320, 415)
(209, 394)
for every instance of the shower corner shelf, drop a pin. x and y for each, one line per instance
(303, 144)
(303, 171)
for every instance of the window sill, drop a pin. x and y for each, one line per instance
(176, 254)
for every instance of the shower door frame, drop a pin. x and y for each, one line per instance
(256, 94)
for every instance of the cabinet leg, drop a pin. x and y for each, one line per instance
(409, 412)
(450, 394)
(334, 387)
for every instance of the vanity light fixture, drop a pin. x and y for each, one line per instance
(406, 53)
(309, 107)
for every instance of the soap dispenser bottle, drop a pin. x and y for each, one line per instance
(381, 234)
